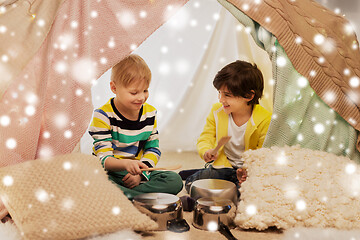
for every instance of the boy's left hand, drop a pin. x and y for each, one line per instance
(131, 181)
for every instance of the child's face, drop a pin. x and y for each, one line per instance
(231, 103)
(132, 97)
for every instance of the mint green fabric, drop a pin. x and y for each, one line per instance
(299, 115)
(159, 182)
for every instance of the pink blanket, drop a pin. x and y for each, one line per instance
(47, 107)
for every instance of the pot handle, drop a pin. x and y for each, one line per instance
(224, 230)
(178, 225)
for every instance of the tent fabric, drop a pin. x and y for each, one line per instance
(21, 35)
(299, 116)
(319, 47)
(196, 103)
(183, 96)
(46, 107)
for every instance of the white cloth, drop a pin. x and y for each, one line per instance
(236, 146)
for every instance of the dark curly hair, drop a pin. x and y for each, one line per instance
(242, 79)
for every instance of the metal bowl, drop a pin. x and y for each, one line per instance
(209, 213)
(214, 188)
(161, 207)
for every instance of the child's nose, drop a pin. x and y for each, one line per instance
(142, 96)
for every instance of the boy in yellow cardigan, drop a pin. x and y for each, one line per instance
(239, 115)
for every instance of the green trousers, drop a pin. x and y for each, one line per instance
(159, 182)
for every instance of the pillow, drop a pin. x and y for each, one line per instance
(294, 187)
(67, 197)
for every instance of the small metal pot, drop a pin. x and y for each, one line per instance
(163, 208)
(211, 213)
(214, 188)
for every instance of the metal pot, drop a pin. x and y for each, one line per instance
(214, 188)
(210, 213)
(163, 208)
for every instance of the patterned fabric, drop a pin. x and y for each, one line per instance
(67, 197)
(114, 135)
(317, 46)
(85, 39)
(300, 116)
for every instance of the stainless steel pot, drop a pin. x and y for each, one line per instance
(163, 208)
(210, 213)
(214, 188)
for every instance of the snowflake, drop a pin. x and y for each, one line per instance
(354, 82)
(42, 195)
(115, 210)
(8, 180)
(111, 43)
(3, 29)
(302, 82)
(68, 134)
(5, 120)
(67, 203)
(281, 61)
(251, 210)
(61, 67)
(94, 14)
(67, 165)
(61, 120)
(319, 39)
(212, 226)
(143, 14)
(126, 18)
(11, 143)
(319, 128)
(45, 152)
(83, 70)
(40, 22)
(300, 205)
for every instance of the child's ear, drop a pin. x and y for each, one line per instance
(250, 95)
(113, 87)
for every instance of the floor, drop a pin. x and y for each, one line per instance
(190, 160)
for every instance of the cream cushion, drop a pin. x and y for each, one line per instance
(67, 197)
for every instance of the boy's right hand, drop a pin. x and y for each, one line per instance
(210, 155)
(134, 167)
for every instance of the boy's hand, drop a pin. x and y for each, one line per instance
(134, 167)
(210, 155)
(131, 181)
(241, 175)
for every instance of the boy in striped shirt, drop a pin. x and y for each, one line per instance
(125, 133)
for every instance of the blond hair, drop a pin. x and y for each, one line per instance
(131, 68)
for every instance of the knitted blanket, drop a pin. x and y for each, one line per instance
(320, 46)
(46, 107)
(300, 116)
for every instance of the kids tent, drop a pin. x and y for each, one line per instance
(50, 63)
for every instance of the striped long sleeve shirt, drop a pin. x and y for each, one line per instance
(116, 136)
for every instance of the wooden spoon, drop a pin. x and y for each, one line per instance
(174, 167)
(221, 143)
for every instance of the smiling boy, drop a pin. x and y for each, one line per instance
(238, 114)
(125, 133)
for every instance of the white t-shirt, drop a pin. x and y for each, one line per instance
(236, 146)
